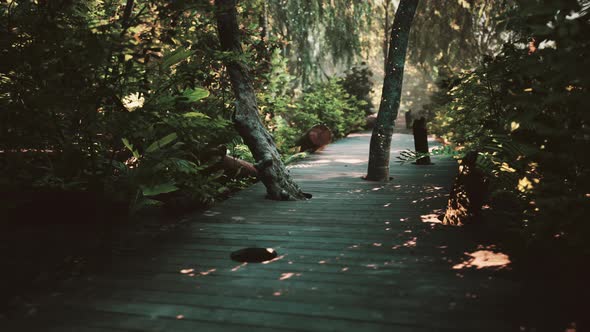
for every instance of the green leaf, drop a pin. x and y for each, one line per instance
(175, 57)
(196, 115)
(163, 188)
(196, 94)
(161, 142)
(130, 147)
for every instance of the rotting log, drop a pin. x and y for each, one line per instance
(421, 140)
(237, 168)
(468, 193)
(233, 167)
(316, 137)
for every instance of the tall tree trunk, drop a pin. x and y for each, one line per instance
(271, 170)
(392, 87)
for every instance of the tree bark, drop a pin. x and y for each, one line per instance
(271, 170)
(421, 140)
(390, 99)
(468, 193)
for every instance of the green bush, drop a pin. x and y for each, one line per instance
(525, 112)
(357, 83)
(322, 103)
(288, 117)
(131, 106)
(329, 104)
(79, 79)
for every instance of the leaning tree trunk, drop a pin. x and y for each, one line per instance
(271, 170)
(391, 95)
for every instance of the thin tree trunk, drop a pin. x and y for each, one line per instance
(392, 86)
(263, 21)
(386, 27)
(271, 170)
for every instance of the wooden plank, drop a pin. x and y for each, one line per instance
(356, 257)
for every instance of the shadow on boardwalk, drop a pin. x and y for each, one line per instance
(359, 256)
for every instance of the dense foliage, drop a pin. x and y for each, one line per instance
(130, 100)
(288, 117)
(524, 111)
(357, 83)
(457, 34)
(313, 30)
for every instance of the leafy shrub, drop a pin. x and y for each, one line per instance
(129, 103)
(329, 104)
(322, 103)
(357, 82)
(289, 117)
(80, 79)
(524, 111)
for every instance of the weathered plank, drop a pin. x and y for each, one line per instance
(358, 256)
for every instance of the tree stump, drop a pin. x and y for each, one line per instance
(421, 140)
(315, 138)
(468, 194)
(408, 117)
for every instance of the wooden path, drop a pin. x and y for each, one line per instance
(358, 256)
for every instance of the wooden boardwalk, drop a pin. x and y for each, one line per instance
(358, 256)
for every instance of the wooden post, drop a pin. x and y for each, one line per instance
(421, 140)
(408, 117)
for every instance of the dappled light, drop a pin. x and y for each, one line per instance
(278, 258)
(211, 213)
(431, 218)
(482, 259)
(350, 160)
(204, 273)
(236, 268)
(287, 275)
(411, 243)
